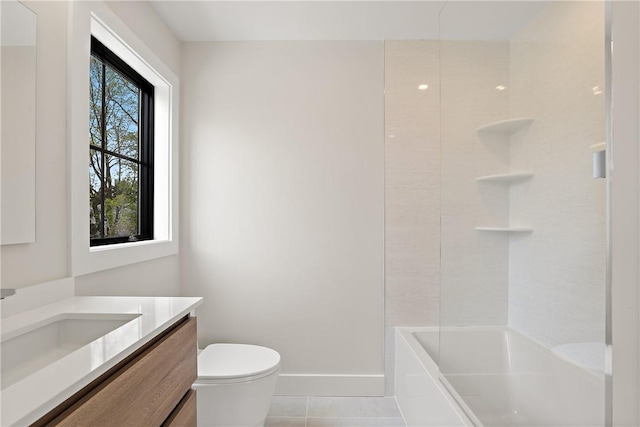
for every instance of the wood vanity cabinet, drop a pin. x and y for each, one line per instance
(185, 412)
(152, 387)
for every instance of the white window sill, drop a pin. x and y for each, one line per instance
(118, 246)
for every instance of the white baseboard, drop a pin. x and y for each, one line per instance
(330, 385)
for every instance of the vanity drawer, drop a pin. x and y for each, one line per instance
(185, 413)
(146, 390)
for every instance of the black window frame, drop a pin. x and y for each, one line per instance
(145, 147)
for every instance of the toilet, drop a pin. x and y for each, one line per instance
(235, 384)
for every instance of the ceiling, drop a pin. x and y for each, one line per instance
(344, 20)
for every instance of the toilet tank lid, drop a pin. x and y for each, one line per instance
(236, 361)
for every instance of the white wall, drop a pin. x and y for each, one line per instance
(141, 17)
(160, 276)
(282, 210)
(625, 213)
(47, 259)
(557, 273)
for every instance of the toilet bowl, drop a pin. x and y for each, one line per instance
(235, 384)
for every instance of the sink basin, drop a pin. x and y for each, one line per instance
(36, 346)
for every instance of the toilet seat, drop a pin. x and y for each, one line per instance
(229, 363)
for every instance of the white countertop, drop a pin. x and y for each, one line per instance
(32, 397)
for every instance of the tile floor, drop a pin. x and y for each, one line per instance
(303, 411)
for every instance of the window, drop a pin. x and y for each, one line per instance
(121, 116)
(157, 196)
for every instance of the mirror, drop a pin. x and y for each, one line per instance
(17, 123)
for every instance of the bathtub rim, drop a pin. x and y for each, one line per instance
(464, 412)
(429, 365)
(594, 375)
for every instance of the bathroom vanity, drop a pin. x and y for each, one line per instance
(101, 361)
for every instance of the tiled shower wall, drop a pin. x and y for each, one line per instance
(412, 189)
(549, 284)
(416, 152)
(474, 263)
(557, 274)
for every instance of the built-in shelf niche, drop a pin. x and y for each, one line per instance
(506, 177)
(506, 127)
(507, 229)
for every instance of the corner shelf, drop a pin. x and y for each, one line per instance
(506, 177)
(507, 229)
(506, 127)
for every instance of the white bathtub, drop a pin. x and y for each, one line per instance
(491, 377)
